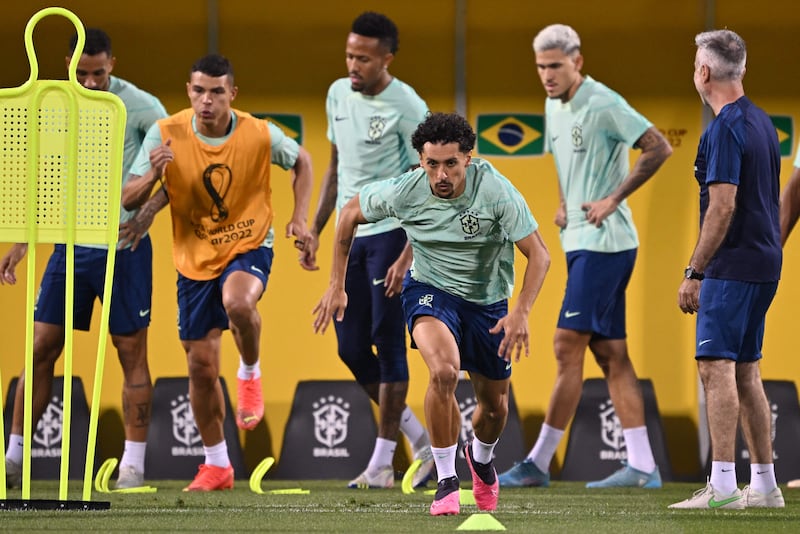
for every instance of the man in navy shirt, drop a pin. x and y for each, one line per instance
(733, 273)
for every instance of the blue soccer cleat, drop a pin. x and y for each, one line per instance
(628, 477)
(524, 474)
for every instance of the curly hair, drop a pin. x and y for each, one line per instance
(444, 128)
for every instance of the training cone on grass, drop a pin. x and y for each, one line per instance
(481, 522)
(258, 475)
(408, 479)
(466, 497)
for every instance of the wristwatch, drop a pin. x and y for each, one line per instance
(691, 274)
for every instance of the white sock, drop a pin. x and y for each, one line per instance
(248, 372)
(723, 477)
(382, 455)
(545, 448)
(762, 477)
(133, 455)
(640, 455)
(14, 452)
(217, 455)
(445, 460)
(482, 452)
(413, 430)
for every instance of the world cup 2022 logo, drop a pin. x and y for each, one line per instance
(217, 180)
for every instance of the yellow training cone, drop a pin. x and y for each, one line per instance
(408, 479)
(481, 522)
(258, 474)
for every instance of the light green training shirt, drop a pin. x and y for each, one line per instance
(143, 110)
(463, 245)
(372, 135)
(589, 137)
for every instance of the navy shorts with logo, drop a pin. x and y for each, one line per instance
(730, 319)
(594, 300)
(468, 322)
(200, 306)
(371, 319)
(131, 292)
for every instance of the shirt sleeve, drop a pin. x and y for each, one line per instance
(149, 113)
(375, 201)
(513, 213)
(725, 152)
(142, 162)
(284, 149)
(625, 123)
(329, 105)
(517, 218)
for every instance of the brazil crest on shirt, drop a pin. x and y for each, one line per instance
(517, 134)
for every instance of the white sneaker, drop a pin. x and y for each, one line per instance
(13, 474)
(425, 470)
(755, 499)
(129, 477)
(708, 499)
(383, 480)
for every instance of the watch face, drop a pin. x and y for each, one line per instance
(691, 274)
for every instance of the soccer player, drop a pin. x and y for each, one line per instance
(215, 162)
(132, 287)
(733, 273)
(371, 116)
(462, 219)
(589, 129)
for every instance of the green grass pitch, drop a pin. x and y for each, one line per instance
(331, 507)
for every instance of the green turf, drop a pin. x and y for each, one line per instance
(330, 507)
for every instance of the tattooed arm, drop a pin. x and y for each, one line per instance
(655, 150)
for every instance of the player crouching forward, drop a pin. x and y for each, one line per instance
(462, 219)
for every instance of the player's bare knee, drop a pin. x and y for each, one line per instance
(444, 378)
(45, 358)
(569, 366)
(497, 412)
(203, 374)
(240, 309)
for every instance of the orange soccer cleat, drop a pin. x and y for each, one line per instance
(250, 403)
(212, 478)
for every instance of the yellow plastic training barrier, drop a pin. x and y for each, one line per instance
(61, 164)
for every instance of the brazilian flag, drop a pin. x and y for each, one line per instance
(517, 134)
(785, 128)
(291, 124)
